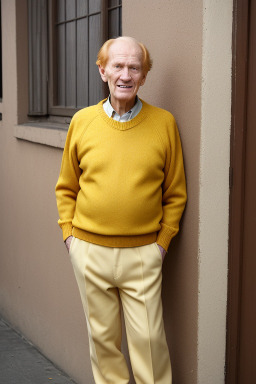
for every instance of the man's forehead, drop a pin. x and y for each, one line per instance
(125, 47)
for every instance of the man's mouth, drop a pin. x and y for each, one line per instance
(124, 86)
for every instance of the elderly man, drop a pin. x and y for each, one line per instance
(120, 194)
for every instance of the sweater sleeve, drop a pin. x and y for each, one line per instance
(67, 186)
(174, 194)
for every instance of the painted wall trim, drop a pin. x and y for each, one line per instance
(214, 189)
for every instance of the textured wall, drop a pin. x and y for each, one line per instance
(172, 31)
(38, 292)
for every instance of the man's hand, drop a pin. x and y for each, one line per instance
(68, 242)
(163, 251)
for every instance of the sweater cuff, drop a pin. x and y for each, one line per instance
(165, 236)
(66, 230)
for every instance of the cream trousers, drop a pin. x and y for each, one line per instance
(131, 277)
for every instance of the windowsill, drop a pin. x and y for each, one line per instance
(51, 134)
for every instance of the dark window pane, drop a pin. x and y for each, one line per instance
(38, 57)
(94, 6)
(71, 64)
(113, 3)
(61, 67)
(70, 9)
(82, 63)
(82, 8)
(79, 83)
(114, 23)
(61, 6)
(95, 82)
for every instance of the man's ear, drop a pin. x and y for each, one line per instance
(102, 72)
(143, 79)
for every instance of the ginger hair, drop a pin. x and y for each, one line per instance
(102, 57)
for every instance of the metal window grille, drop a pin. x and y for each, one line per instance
(38, 57)
(77, 29)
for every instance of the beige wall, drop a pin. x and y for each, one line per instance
(38, 293)
(172, 31)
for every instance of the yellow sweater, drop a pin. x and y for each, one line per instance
(122, 184)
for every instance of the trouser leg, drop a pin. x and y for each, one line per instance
(142, 305)
(93, 270)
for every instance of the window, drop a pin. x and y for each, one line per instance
(64, 38)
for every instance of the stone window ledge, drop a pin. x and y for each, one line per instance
(52, 134)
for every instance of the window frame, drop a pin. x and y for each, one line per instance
(52, 108)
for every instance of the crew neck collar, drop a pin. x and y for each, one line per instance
(129, 115)
(122, 126)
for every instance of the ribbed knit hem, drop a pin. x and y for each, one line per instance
(115, 241)
(165, 236)
(66, 230)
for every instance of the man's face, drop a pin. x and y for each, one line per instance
(123, 72)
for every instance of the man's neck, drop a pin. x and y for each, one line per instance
(122, 108)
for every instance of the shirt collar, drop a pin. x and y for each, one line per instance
(125, 117)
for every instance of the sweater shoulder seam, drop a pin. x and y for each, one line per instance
(84, 130)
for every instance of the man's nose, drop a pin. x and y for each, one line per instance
(125, 75)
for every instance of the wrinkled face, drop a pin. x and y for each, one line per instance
(123, 72)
